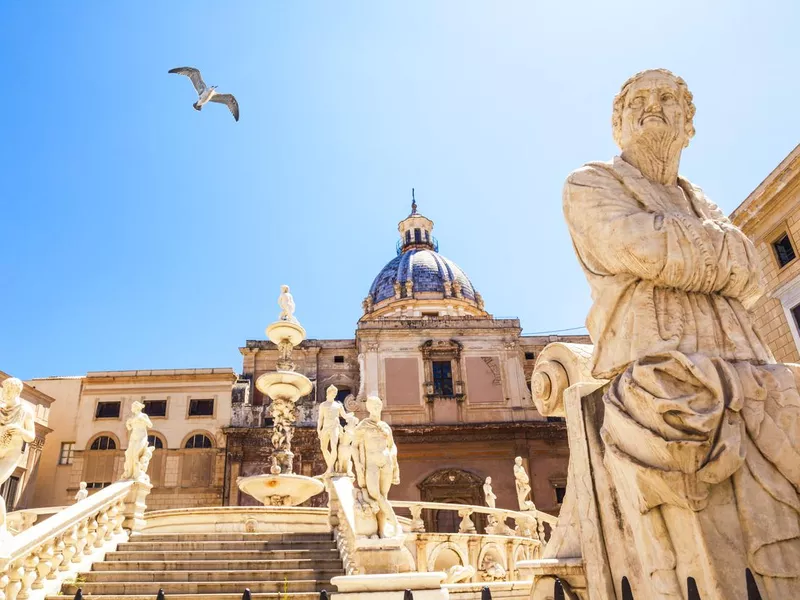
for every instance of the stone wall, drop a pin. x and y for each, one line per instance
(769, 212)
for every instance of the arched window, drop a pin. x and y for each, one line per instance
(155, 441)
(103, 442)
(199, 440)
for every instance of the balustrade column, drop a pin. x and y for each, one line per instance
(102, 529)
(466, 525)
(80, 544)
(30, 572)
(91, 536)
(58, 557)
(15, 573)
(46, 555)
(70, 547)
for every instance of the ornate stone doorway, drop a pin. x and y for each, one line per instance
(451, 486)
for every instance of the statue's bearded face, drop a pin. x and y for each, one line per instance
(653, 109)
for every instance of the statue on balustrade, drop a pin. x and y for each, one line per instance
(82, 493)
(344, 454)
(375, 458)
(137, 456)
(329, 429)
(523, 484)
(701, 429)
(488, 493)
(17, 426)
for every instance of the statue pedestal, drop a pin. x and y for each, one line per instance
(426, 586)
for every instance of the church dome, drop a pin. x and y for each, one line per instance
(428, 271)
(419, 281)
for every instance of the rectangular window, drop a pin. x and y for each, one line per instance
(155, 408)
(529, 356)
(783, 250)
(201, 407)
(9, 492)
(107, 410)
(442, 378)
(67, 453)
(556, 419)
(560, 493)
(338, 359)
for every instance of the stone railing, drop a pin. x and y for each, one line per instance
(527, 524)
(20, 520)
(34, 563)
(469, 557)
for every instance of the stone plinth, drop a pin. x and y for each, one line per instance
(426, 586)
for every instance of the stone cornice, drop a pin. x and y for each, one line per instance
(160, 376)
(781, 179)
(29, 393)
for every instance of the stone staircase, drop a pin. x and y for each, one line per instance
(216, 566)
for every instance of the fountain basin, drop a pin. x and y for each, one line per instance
(286, 331)
(284, 384)
(280, 490)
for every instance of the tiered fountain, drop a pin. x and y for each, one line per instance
(281, 487)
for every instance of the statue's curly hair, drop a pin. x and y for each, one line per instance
(619, 103)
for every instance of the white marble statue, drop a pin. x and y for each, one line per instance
(375, 458)
(459, 573)
(137, 425)
(488, 493)
(523, 484)
(286, 302)
(16, 426)
(329, 429)
(344, 455)
(82, 493)
(700, 429)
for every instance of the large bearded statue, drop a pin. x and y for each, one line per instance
(701, 430)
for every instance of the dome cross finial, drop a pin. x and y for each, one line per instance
(413, 203)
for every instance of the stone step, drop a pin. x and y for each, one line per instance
(230, 537)
(227, 545)
(204, 588)
(274, 575)
(219, 565)
(205, 596)
(229, 555)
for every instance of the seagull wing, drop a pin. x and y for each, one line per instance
(230, 101)
(194, 75)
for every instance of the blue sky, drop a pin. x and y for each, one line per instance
(139, 233)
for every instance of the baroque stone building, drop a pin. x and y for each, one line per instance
(453, 379)
(188, 408)
(770, 216)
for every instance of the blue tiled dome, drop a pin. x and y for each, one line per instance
(428, 270)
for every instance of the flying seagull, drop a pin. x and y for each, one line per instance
(207, 94)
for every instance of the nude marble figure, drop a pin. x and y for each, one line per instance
(135, 462)
(488, 493)
(375, 458)
(328, 427)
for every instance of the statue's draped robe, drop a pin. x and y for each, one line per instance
(697, 416)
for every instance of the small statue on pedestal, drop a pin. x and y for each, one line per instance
(488, 494)
(137, 424)
(82, 493)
